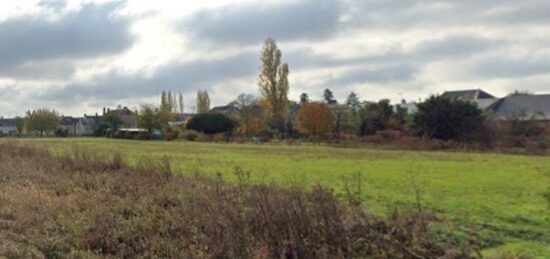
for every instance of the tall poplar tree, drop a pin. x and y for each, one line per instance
(203, 101)
(273, 84)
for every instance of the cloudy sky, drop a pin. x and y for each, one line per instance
(78, 56)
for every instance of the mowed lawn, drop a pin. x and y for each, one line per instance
(496, 199)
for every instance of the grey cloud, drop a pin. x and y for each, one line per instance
(382, 75)
(41, 70)
(188, 76)
(503, 67)
(90, 32)
(252, 23)
(455, 46)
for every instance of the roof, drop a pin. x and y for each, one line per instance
(122, 111)
(226, 109)
(529, 105)
(88, 121)
(68, 120)
(468, 94)
(8, 122)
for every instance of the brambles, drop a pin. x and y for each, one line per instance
(85, 204)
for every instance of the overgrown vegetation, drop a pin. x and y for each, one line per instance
(85, 205)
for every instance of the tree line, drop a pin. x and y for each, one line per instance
(273, 115)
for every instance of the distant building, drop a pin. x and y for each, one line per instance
(86, 126)
(410, 108)
(480, 97)
(128, 116)
(68, 125)
(228, 110)
(180, 119)
(8, 127)
(531, 107)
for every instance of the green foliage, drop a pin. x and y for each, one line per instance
(151, 118)
(110, 120)
(345, 120)
(42, 120)
(329, 97)
(525, 128)
(447, 119)
(190, 135)
(211, 123)
(304, 99)
(353, 102)
(375, 117)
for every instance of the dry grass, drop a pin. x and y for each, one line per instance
(85, 205)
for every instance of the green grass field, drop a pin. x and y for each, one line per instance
(493, 198)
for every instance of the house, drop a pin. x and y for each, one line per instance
(68, 125)
(228, 110)
(410, 107)
(478, 96)
(8, 127)
(532, 107)
(127, 115)
(86, 126)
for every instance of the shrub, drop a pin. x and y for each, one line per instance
(190, 135)
(211, 123)
(87, 205)
(448, 119)
(171, 134)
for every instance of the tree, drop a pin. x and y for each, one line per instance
(203, 101)
(151, 118)
(345, 120)
(273, 84)
(180, 102)
(329, 97)
(314, 119)
(110, 120)
(304, 99)
(19, 124)
(447, 119)
(42, 120)
(251, 120)
(211, 123)
(520, 93)
(353, 102)
(375, 117)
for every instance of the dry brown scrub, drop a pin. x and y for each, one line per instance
(83, 205)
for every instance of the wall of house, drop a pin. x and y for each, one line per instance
(8, 130)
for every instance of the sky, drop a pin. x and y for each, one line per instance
(78, 56)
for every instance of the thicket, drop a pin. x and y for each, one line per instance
(84, 205)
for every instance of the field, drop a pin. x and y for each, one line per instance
(497, 200)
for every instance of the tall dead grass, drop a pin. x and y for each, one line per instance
(86, 205)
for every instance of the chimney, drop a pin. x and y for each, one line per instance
(103, 111)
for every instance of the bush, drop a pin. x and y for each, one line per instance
(448, 119)
(87, 205)
(171, 134)
(190, 135)
(211, 123)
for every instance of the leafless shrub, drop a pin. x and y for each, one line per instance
(82, 205)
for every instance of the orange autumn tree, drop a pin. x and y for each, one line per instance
(314, 119)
